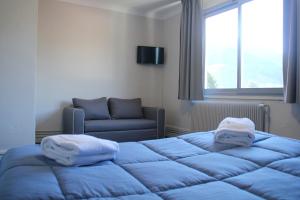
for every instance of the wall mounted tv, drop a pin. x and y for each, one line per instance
(150, 55)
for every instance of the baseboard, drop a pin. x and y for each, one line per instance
(39, 135)
(174, 130)
(48, 132)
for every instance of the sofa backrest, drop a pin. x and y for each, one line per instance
(94, 109)
(114, 108)
(125, 108)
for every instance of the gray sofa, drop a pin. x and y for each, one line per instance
(117, 119)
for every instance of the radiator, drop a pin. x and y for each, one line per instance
(171, 131)
(207, 115)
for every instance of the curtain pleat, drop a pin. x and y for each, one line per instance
(291, 51)
(191, 55)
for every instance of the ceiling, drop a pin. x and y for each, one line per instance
(160, 9)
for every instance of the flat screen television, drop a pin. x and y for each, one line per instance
(150, 55)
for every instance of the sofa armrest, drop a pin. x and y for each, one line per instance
(73, 120)
(157, 114)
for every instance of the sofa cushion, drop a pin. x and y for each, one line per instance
(125, 108)
(94, 109)
(118, 125)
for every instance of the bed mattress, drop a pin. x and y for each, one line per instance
(187, 167)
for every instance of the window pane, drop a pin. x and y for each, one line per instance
(262, 33)
(221, 50)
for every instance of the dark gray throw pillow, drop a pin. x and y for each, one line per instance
(125, 108)
(94, 109)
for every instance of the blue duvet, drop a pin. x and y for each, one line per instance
(188, 167)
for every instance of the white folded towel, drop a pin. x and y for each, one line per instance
(238, 131)
(78, 149)
(79, 160)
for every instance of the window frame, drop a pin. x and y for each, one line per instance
(234, 4)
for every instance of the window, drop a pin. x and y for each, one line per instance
(243, 48)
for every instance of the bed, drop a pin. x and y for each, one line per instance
(187, 167)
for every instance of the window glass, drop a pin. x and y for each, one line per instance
(261, 44)
(257, 28)
(221, 50)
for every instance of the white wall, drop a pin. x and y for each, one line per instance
(18, 35)
(285, 118)
(89, 53)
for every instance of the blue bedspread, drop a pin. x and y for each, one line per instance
(191, 166)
